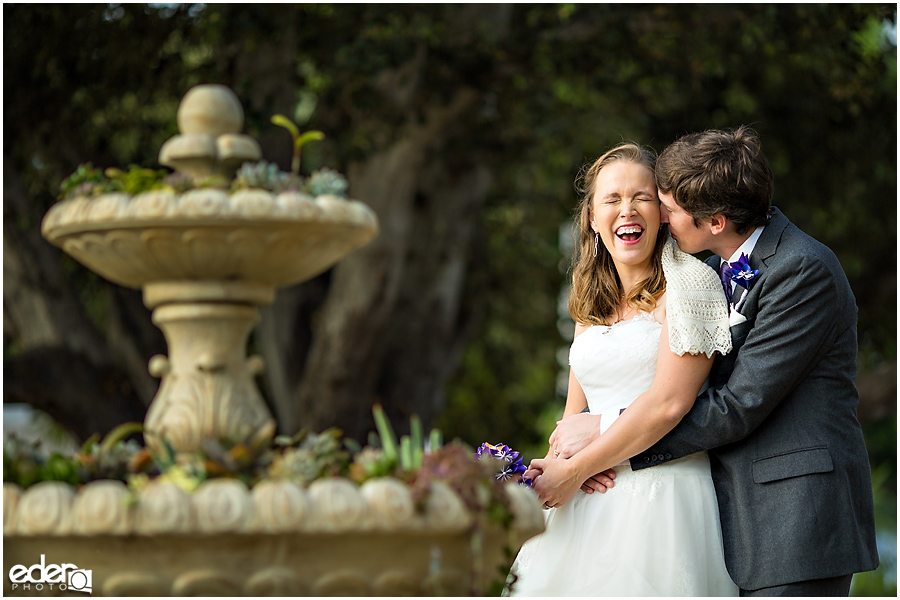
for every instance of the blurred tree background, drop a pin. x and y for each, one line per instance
(464, 127)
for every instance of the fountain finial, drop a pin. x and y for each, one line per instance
(210, 119)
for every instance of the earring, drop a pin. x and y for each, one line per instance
(596, 243)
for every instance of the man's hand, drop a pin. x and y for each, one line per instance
(600, 482)
(573, 433)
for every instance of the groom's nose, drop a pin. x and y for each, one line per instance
(663, 214)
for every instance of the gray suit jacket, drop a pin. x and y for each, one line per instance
(788, 458)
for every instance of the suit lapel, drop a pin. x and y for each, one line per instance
(767, 244)
(762, 254)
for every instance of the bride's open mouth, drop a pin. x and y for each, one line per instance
(630, 234)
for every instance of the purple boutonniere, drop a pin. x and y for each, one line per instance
(510, 467)
(741, 273)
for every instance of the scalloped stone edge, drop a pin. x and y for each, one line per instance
(165, 208)
(331, 505)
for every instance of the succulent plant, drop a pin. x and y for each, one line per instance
(85, 181)
(327, 181)
(474, 480)
(135, 180)
(314, 456)
(88, 181)
(111, 457)
(26, 463)
(245, 460)
(266, 176)
(178, 182)
(262, 174)
(369, 463)
(303, 458)
(408, 454)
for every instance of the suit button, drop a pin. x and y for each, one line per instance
(646, 459)
(655, 457)
(668, 456)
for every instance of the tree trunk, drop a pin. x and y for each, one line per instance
(388, 330)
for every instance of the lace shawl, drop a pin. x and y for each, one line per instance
(696, 309)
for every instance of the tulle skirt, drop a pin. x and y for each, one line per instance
(656, 533)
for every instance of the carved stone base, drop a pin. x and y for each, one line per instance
(207, 389)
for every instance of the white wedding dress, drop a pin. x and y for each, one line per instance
(657, 531)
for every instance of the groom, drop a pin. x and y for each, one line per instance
(779, 420)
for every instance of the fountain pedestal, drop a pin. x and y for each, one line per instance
(207, 389)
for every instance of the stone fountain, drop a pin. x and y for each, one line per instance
(206, 260)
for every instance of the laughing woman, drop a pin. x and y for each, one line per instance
(649, 319)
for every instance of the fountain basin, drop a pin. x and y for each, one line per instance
(208, 234)
(333, 538)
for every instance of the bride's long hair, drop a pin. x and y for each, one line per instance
(596, 288)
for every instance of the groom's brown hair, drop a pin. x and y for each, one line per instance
(718, 172)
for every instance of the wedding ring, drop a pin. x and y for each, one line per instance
(556, 453)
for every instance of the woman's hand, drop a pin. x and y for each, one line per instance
(573, 433)
(555, 481)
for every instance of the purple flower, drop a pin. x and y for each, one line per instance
(511, 466)
(511, 471)
(499, 451)
(741, 273)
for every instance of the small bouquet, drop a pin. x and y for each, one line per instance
(510, 468)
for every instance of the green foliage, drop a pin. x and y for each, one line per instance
(644, 75)
(303, 458)
(881, 439)
(111, 458)
(559, 84)
(883, 580)
(136, 179)
(25, 465)
(409, 453)
(87, 181)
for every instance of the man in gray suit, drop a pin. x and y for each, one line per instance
(787, 454)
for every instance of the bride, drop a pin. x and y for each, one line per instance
(649, 319)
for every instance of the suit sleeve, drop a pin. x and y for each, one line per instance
(795, 325)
